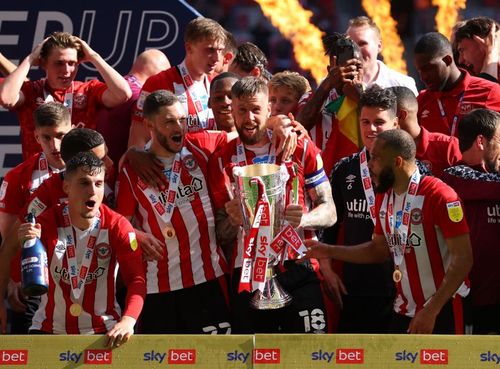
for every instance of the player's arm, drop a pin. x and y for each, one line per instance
(371, 252)
(118, 90)
(460, 251)
(6, 66)
(10, 90)
(324, 213)
(132, 271)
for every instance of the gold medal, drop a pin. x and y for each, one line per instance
(169, 232)
(75, 310)
(397, 275)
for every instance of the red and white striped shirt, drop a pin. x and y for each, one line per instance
(437, 215)
(115, 244)
(192, 256)
(310, 174)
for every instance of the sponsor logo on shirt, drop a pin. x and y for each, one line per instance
(63, 274)
(185, 193)
(493, 214)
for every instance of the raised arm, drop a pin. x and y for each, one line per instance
(118, 90)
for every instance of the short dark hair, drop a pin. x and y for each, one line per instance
(86, 160)
(405, 98)
(79, 140)
(222, 76)
(249, 86)
(378, 97)
(478, 122)
(478, 26)
(51, 114)
(157, 99)
(250, 56)
(433, 44)
(336, 42)
(399, 142)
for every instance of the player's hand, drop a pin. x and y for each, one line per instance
(316, 250)
(28, 231)
(300, 130)
(121, 332)
(284, 138)
(293, 214)
(88, 52)
(15, 297)
(151, 247)
(148, 167)
(233, 211)
(34, 57)
(423, 322)
(332, 283)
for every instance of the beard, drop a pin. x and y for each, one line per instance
(256, 138)
(163, 141)
(385, 180)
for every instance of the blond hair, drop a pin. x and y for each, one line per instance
(363, 21)
(293, 80)
(204, 29)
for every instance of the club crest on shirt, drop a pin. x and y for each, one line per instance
(416, 216)
(189, 162)
(455, 212)
(103, 251)
(80, 101)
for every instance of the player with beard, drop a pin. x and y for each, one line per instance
(476, 178)
(95, 240)
(419, 221)
(251, 111)
(59, 55)
(204, 41)
(186, 290)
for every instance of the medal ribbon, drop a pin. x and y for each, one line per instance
(164, 212)
(453, 127)
(367, 184)
(397, 238)
(68, 97)
(78, 278)
(197, 92)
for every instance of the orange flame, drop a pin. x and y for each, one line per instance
(293, 21)
(447, 15)
(392, 47)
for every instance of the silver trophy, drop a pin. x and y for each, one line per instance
(274, 178)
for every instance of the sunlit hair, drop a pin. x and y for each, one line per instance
(363, 21)
(78, 140)
(482, 122)
(51, 114)
(61, 40)
(156, 100)
(249, 86)
(399, 142)
(201, 28)
(379, 97)
(293, 80)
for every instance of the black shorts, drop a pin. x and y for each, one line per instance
(201, 309)
(486, 319)
(305, 314)
(365, 314)
(451, 319)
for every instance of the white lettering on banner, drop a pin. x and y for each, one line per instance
(158, 28)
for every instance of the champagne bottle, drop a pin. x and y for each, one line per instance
(34, 265)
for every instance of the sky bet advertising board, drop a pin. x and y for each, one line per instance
(259, 351)
(118, 31)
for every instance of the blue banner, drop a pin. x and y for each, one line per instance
(118, 31)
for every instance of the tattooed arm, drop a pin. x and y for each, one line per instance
(324, 213)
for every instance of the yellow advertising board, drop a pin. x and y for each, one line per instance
(259, 351)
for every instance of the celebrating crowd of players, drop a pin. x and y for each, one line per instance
(407, 181)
